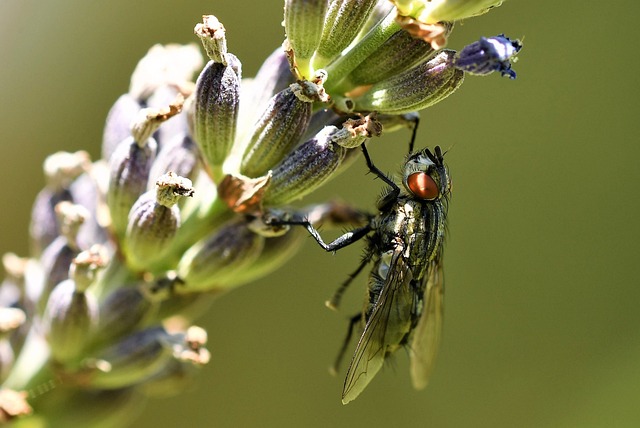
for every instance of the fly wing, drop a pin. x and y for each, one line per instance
(394, 304)
(426, 336)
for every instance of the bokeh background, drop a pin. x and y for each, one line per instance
(542, 325)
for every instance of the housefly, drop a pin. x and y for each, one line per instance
(404, 303)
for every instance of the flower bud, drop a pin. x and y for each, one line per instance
(118, 124)
(305, 169)
(342, 24)
(131, 360)
(60, 170)
(216, 101)
(273, 76)
(434, 11)
(144, 354)
(214, 261)
(488, 55)
(121, 312)
(72, 311)
(89, 191)
(415, 89)
(153, 221)
(278, 130)
(397, 54)
(164, 96)
(129, 172)
(59, 255)
(164, 65)
(179, 155)
(303, 23)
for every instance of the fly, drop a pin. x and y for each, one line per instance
(404, 303)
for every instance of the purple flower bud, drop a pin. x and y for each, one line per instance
(488, 55)
(118, 124)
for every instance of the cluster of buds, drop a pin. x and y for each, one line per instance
(129, 249)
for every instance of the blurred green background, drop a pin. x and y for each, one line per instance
(542, 325)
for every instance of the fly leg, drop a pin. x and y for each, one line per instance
(336, 364)
(334, 302)
(388, 200)
(342, 241)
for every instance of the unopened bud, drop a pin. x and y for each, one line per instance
(216, 103)
(154, 220)
(397, 54)
(273, 76)
(434, 11)
(305, 169)
(60, 169)
(343, 22)
(415, 89)
(129, 173)
(118, 124)
(179, 155)
(57, 258)
(214, 261)
(131, 360)
(303, 23)
(70, 316)
(123, 310)
(164, 65)
(278, 130)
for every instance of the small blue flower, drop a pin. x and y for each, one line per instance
(488, 55)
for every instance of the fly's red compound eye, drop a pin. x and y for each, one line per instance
(423, 186)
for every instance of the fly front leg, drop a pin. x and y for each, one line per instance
(342, 241)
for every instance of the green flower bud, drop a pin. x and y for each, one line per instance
(214, 261)
(415, 89)
(273, 76)
(278, 130)
(144, 354)
(305, 169)
(123, 311)
(217, 97)
(131, 360)
(342, 24)
(397, 54)
(434, 11)
(129, 173)
(71, 313)
(153, 222)
(303, 23)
